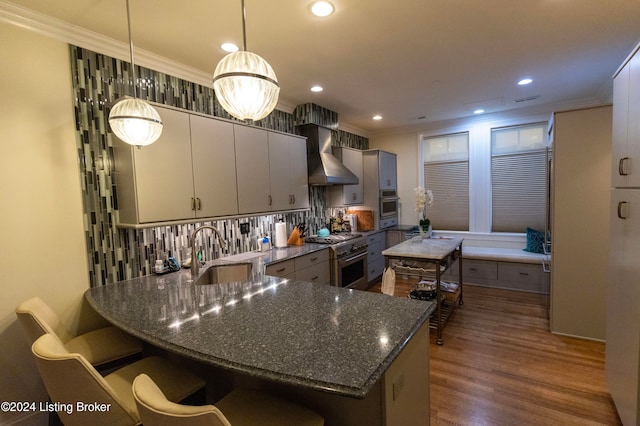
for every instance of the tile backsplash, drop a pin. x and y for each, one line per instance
(114, 253)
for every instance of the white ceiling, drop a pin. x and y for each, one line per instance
(437, 59)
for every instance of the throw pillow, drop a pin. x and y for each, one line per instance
(535, 241)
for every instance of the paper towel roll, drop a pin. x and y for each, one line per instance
(281, 235)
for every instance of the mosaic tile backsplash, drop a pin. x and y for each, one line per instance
(116, 254)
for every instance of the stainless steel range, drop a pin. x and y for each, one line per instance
(348, 259)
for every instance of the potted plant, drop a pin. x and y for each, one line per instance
(424, 198)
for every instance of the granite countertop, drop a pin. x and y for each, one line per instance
(424, 248)
(319, 337)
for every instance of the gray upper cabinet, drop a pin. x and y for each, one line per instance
(214, 167)
(388, 170)
(288, 172)
(203, 167)
(252, 165)
(188, 173)
(626, 126)
(272, 171)
(347, 195)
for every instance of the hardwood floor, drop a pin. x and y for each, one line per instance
(499, 365)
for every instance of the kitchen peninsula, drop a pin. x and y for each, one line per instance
(352, 356)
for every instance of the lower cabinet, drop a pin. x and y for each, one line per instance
(313, 267)
(375, 245)
(507, 275)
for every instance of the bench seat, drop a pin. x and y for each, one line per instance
(501, 254)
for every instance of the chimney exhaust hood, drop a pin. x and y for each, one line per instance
(323, 167)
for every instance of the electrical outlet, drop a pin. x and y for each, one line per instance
(244, 228)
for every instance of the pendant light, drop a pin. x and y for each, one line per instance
(245, 84)
(134, 120)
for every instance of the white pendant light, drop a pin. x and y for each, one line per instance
(245, 84)
(133, 120)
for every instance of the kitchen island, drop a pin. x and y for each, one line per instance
(348, 354)
(430, 257)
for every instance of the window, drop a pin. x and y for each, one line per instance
(518, 178)
(446, 173)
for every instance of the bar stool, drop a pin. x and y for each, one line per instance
(84, 397)
(242, 407)
(103, 348)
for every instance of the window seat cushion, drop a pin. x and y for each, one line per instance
(501, 254)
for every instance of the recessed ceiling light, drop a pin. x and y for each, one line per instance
(377, 117)
(478, 111)
(316, 89)
(525, 81)
(322, 8)
(229, 47)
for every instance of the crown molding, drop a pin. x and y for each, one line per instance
(81, 37)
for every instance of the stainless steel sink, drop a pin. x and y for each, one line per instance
(218, 274)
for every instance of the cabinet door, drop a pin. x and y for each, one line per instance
(633, 137)
(299, 177)
(288, 172)
(620, 126)
(388, 170)
(623, 305)
(214, 167)
(352, 159)
(626, 126)
(279, 171)
(252, 164)
(163, 172)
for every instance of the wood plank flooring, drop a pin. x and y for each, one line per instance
(499, 365)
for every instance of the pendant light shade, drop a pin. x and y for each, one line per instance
(245, 84)
(133, 120)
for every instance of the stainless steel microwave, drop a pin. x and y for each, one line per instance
(388, 203)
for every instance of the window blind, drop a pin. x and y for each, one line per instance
(518, 191)
(449, 182)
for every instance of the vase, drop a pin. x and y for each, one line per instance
(425, 233)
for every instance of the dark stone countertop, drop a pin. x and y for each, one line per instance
(319, 337)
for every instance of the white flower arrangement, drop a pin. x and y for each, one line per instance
(424, 198)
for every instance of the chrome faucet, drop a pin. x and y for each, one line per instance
(195, 263)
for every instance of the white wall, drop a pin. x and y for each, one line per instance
(410, 171)
(42, 243)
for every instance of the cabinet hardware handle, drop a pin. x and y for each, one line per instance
(313, 259)
(314, 278)
(294, 198)
(193, 203)
(198, 203)
(281, 270)
(353, 196)
(621, 214)
(621, 168)
(473, 269)
(270, 200)
(524, 274)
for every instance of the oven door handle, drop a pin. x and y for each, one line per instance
(352, 259)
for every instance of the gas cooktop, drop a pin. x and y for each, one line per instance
(333, 238)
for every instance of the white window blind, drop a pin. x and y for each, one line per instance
(518, 179)
(446, 174)
(450, 185)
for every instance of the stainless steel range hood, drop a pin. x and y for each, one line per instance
(324, 168)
